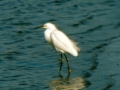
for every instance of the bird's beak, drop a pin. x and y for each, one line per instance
(39, 27)
(44, 26)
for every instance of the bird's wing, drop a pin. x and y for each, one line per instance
(61, 42)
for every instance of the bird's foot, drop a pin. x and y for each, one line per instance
(69, 70)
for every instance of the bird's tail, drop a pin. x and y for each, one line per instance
(76, 49)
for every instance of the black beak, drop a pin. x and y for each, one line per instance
(38, 27)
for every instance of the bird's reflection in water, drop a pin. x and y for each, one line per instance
(67, 84)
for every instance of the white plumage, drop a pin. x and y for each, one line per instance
(59, 40)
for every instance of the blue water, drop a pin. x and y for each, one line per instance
(28, 62)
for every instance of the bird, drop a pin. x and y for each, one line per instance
(61, 42)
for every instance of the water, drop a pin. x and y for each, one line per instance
(27, 62)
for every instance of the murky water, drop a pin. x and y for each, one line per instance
(28, 62)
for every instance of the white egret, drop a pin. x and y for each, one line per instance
(58, 40)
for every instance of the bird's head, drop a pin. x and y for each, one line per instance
(49, 26)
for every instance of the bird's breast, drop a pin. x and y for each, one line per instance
(47, 36)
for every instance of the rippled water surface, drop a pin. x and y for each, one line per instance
(28, 62)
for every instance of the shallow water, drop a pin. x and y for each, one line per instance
(28, 62)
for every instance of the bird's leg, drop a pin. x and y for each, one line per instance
(61, 61)
(69, 70)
